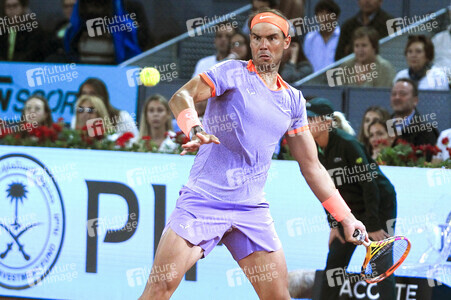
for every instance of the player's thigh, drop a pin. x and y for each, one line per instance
(267, 271)
(174, 257)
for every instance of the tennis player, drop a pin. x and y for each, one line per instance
(250, 108)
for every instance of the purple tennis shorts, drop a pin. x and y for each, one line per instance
(244, 227)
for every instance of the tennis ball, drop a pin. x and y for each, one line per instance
(149, 76)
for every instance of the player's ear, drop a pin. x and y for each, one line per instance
(287, 42)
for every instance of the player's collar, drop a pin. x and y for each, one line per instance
(280, 83)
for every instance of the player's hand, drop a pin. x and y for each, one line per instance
(350, 224)
(378, 235)
(199, 139)
(335, 234)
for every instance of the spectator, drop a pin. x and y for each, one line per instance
(20, 40)
(257, 5)
(156, 123)
(370, 15)
(292, 9)
(320, 46)
(57, 37)
(364, 187)
(444, 144)
(239, 46)
(419, 53)
(412, 126)
(121, 120)
(145, 38)
(442, 46)
(91, 107)
(369, 68)
(295, 65)
(379, 137)
(97, 46)
(222, 45)
(37, 111)
(371, 114)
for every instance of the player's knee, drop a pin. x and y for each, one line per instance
(160, 289)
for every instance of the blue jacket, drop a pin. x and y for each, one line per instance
(125, 42)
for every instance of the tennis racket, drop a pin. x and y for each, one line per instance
(382, 257)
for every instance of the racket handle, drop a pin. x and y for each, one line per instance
(358, 234)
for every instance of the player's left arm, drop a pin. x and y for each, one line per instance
(303, 148)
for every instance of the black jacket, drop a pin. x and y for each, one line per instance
(366, 190)
(421, 131)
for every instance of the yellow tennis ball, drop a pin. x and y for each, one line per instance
(149, 76)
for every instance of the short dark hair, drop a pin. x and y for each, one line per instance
(24, 3)
(263, 10)
(412, 83)
(428, 45)
(272, 3)
(371, 33)
(329, 6)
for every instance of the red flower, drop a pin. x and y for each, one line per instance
(402, 142)
(284, 142)
(57, 127)
(60, 120)
(445, 141)
(146, 138)
(123, 139)
(84, 128)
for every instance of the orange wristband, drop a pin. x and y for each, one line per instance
(337, 207)
(187, 119)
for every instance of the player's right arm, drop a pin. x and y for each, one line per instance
(182, 106)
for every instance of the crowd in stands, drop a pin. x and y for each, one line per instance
(427, 60)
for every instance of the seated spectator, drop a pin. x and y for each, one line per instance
(239, 46)
(89, 107)
(95, 45)
(444, 144)
(295, 65)
(222, 45)
(37, 111)
(156, 123)
(371, 114)
(256, 5)
(442, 46)
(410, 125)
(57, 35)
(370, 15)
(369, 69)
(419, 53)
(320, 46)
(20, 40)
(121, 120)
(379, 137)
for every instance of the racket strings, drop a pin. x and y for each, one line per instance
(386, 257)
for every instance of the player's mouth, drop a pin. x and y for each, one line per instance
(264, 56)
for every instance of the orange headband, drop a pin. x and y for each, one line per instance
(271, 18)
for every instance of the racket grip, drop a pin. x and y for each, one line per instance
(358, 234)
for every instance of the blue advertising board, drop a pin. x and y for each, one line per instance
(59, 83)
(87, 227)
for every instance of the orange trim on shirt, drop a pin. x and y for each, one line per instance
(209, 82)
(280, 83)
(297, 130)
